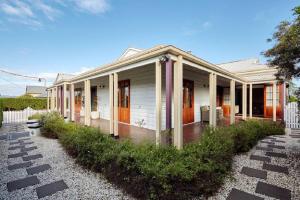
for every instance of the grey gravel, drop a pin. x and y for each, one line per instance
(248, 184)
(82, 183)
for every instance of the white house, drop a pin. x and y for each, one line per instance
(165, 87)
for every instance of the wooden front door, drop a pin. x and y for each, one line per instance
(124, 101)
(188, 101)
(78, 99)
(268, 101)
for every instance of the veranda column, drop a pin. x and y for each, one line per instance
(52, 99)
(250, 100)
(178, 98)
(232, 101)
(244, 111)
(65, 99)
(158, 101)
(72, 99)
(274, 101)
(57, 99)
(116, 111)
(87, 91)
(212, 99)
(111, 104)
(169, 88)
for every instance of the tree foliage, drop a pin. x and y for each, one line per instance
(285, 54)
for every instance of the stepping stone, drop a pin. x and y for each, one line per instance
(260, 158)
(22, 183)
(267, 142)
(236, 194)
(273, 191)
(17, 155)
(13, 143)
(276, 146)
(264, 148)
(38, 169)
(49, 189)
(22, 140)
(295, 136)
(19, 165)
(28, 149)
(254, 172)
(279, 155)
(279, 141)
(16, 147)
(32, 157)
(27, 143)
(275, 168)
(278, 136)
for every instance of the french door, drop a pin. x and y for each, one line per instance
(188, 101)
(124, 101)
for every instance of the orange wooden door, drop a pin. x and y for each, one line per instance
(124, 101)
(268, 101)
(78, 98)
(188, 101)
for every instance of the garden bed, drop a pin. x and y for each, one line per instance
(149, 172)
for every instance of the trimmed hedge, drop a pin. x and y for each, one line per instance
(23, 102)
(149, 172)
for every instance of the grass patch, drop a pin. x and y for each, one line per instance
(150, 172)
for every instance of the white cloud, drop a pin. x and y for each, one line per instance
(82, 70)
(93, 6)
(206, 25)
(17, 8)
(49, 11)
(196, 29)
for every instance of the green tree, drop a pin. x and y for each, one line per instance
(285, 54)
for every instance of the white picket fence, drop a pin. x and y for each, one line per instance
(291, 115)
(20, 116)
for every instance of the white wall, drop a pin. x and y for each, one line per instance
(142, 95)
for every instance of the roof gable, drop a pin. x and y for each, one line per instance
(129, 52)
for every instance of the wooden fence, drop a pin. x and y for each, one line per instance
(291, 115)
(20, 116)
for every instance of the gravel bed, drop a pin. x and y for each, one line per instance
(248, 184)
(82, 183)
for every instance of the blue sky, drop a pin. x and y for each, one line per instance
(43, 37)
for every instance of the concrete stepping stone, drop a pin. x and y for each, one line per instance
(260, 158)
(27, 143)
(276, 168)
(51, 188)
(22, 183)
(267, 142)
(236, 194)
(13, 143)
(274, 154)
(16, 147)
(276, 146)
(295, 136)
(23, 139)
(28, 149)
(16, 155)
(264, 148)
(273, 191)
(32, 157)
(38, 169)
(19, 165)
(278, 141)
(257, 173)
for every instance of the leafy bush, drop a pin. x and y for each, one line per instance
(23, 102)
(150, 172)
(36, 116)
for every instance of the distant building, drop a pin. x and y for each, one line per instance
(36, 91)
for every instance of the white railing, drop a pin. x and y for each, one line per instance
(20, 116)
(291, 115)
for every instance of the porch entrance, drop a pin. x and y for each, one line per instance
(124, 101)
(188, 101)
(78, 99)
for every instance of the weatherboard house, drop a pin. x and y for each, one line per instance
(145, 92)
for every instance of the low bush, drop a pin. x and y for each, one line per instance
(150, 172)
(36, 116)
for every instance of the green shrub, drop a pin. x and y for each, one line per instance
(150, 172)
(36, 116)
(23, 102)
